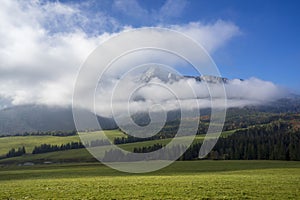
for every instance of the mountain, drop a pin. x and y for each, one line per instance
(172, 76)
(33, 118)
(212, 79)
(285, 105)
(161, 74)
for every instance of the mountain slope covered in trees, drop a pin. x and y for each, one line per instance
(34, 118)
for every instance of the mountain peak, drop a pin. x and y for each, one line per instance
(167, 75)
(213, 79)
(160, 73)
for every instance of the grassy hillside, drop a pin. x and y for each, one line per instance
(6, 143)
(74, 155)
(181, 180)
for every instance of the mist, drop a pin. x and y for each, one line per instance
(133, 94)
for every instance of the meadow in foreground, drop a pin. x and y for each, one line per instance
(181, 180)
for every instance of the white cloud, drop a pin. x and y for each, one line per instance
(43, 44)
(131, 8)
(120, 96)
(210, 36)
(37, 66)
(172, 9)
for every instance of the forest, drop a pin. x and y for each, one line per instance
(278, 140)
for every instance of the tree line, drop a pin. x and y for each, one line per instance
(278, 140)
(45, 148)
(233, 121)
(144, 153)
(168, 131)
(275, 141)
(44, 133)
(16, 152)
(147, 149)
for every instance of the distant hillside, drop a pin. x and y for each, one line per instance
(33, 118)
(290, 105)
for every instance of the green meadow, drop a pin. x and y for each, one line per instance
(75, 174)
(181, 180)
(29, 142)
(73, 155)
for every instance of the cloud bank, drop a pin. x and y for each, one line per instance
(159, 92)
(43, 44)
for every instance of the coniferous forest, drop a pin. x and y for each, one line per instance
(278, 140)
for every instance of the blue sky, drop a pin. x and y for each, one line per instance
(267, 48)
(43, 43)
(269, 45)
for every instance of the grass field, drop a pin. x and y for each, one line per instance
(181, 180)
(74, 155)
(74, 174)
(29, 142)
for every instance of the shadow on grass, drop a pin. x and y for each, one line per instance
(96, 169)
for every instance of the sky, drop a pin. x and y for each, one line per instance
(44, 43)
(268, 46)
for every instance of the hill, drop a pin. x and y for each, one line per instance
(34, 118)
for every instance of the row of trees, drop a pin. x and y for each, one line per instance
(277, 140)
(168, 131)
(44, 133)
(16, 152)
(271, 142)
(274, 141)
(97, 143)
(147, 149)
(132, 139)
(144, 153)
(233, 121)
(45, 148)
